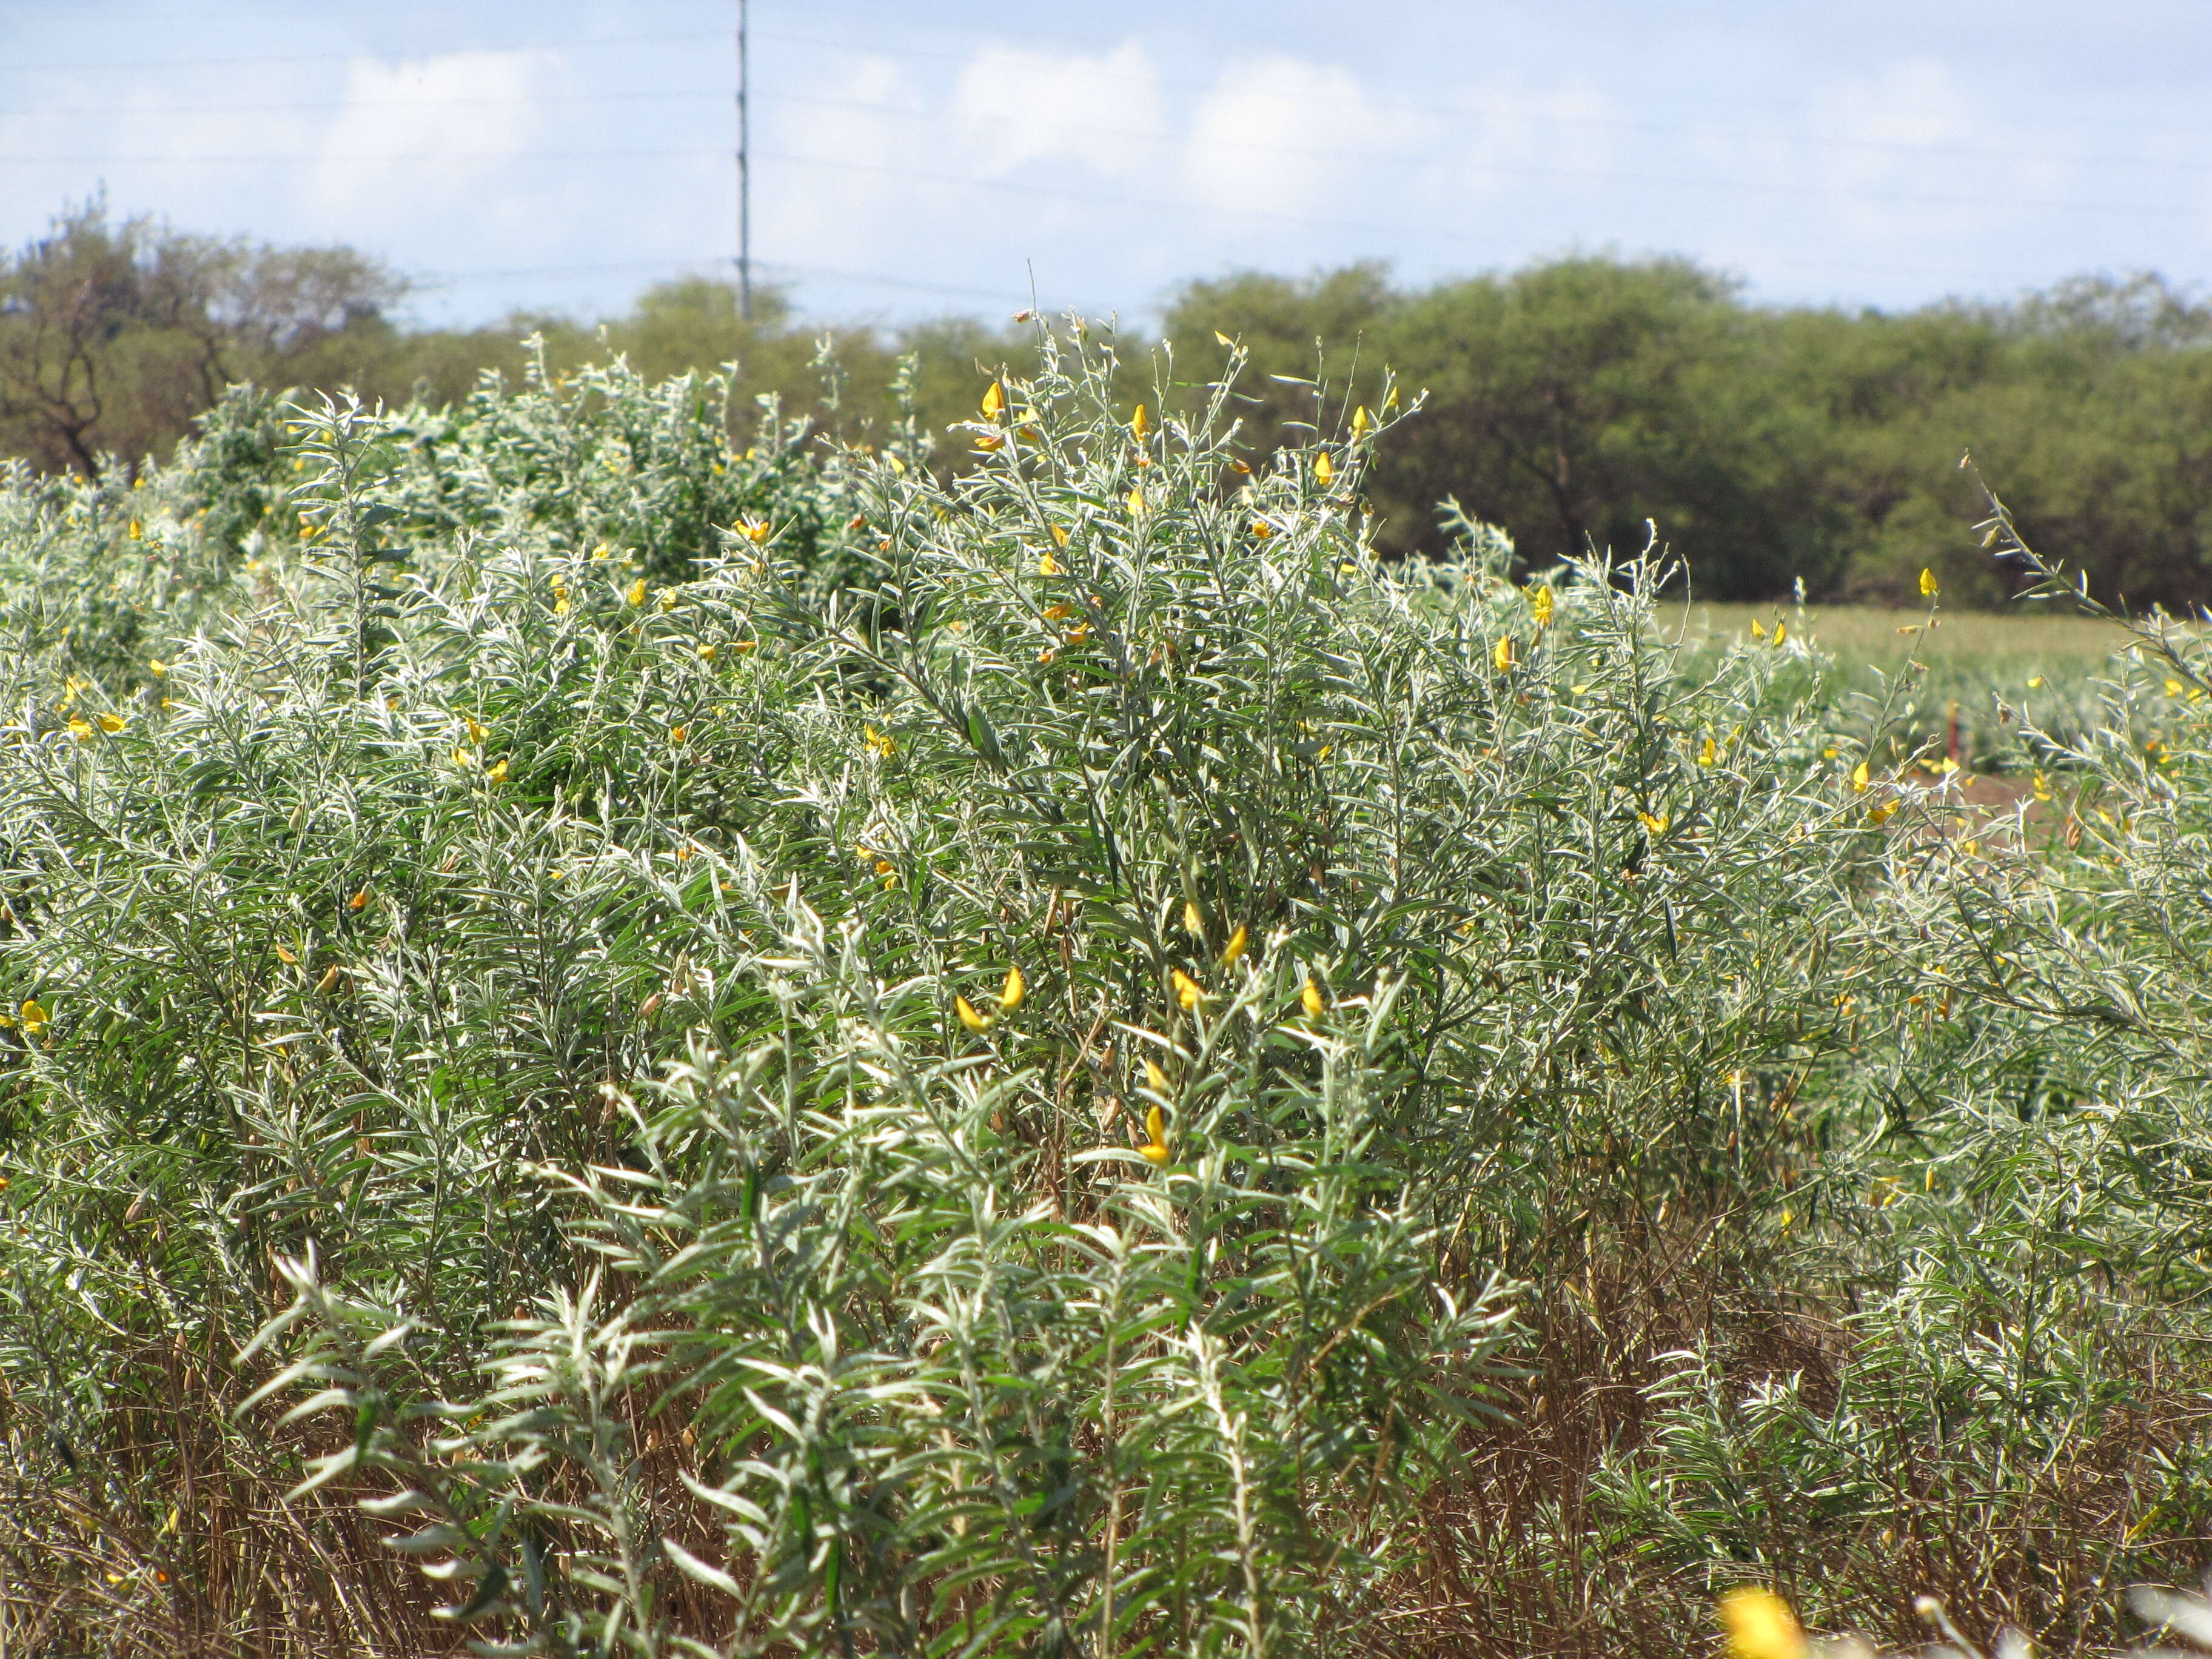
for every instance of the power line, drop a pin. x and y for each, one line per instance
(165, 64)
(1797, 189)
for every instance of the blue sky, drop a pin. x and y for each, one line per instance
(918, 159)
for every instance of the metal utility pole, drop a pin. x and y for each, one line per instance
(744, 183)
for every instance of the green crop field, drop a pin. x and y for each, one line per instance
(628, 1032)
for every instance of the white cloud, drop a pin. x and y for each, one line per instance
(1282, 135)
(1014, 105)
(426, 134)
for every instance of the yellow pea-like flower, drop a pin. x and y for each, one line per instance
(113, 722)
(1310, 999)
(1927, 585)
(1136, 501)
(1193, 923)
(1539, 605)
(1359, 421)
(1881, 813)
(1010, 998)
(359, 901)
(287, 956)
(1060, 535)
(34, 1017)
(879, 742)
(990, 441)
(1047, 565)
(137, 531)
(677, 735)
(2042, 787)
(636, 594)
(1141, 424)
(1655, 824)
(497, 774)
(1861, 777)
(1225, 339)
(1501, 655)
(159, 667)
(2174, 688)
(1155, 1149)
(1155, 1079)
(476, 732)
(1055, 612)
(1710, 754)
(2035, 681)
(1324, 469)
(1188, 991)
(330, 979)
(757, 531)
(1235, 948)
(969, 1017)
(1781, 632)
(994, 400)
(1760, 1626)
(81, 728)
(1262, 529)
(603, 551)
(707, 652)
(1758, 629)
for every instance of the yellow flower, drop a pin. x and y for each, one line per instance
(157, 665)
(1781, 632)
(359, 901)
(1155, 1149)
(1010, 997)
(1927, 585)
(2042, 787)
(2174, 688)
(1710, 754)
(756, 532)
(1225, 339)
(1758, 629)
(707, 652)
(1861, 777)
(969, 1017)
(1193, 923)
(80, 728)
(330, 979)
(497, 774)
(1047, 565)
(287, 956)
(1882, 813)
(994, 400)
(1655, 824)
(1155, 1079)
(636, 594)
(1359, 421)
(1060, 535)
(878, 742)
(1054, 613)
(990, 441)
(113, 722)
(476, 732)
(1324, 470)
(1262, 529)
(35, 1017)
(1539, 605)
(1501, 655)
(462, 757)
(1310, 999)
(1235, 948)
(1188, 991)
(603, 551)
(1760, 1626)
(1136, 500)
(137, 531)
(677, 735)
(2034, 682)
(1141, 424)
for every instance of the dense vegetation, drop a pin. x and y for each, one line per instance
(625, 1041)
(1585, 402)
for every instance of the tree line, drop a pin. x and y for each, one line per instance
(1585, 401)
